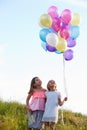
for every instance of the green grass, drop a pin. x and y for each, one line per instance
(13, 117)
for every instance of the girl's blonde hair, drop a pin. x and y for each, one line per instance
(48, 85)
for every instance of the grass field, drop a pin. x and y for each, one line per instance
(13, 117)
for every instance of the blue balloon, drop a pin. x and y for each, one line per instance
(74, 32)
(43, 44)
(43, 33)
(58, 52)
(52, 30)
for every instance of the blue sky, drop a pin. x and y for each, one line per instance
(22, 57)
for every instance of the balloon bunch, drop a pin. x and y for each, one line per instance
(59, 32)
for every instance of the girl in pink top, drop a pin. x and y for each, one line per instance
(35, 103)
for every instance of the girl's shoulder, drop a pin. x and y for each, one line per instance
(43, 89)
(57, 92)
(39, 90)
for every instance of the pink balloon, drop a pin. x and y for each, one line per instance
(53, 11)
(66, 16)
(64, 33)
(56, 24)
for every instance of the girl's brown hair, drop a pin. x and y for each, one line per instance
(32, 85)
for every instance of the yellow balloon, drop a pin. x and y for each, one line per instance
(45, 20)
(61, 46)
(75, 19)
(59, 37)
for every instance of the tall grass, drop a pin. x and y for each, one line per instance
(13, 117)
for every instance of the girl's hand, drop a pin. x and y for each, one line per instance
(29, 109)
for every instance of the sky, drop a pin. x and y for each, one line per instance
(22, 56)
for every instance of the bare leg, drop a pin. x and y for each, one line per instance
(46, 125)
(52, 126)
(30, 128)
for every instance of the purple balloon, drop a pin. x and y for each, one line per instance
(68, 54)
(50, 48)
(71, 42)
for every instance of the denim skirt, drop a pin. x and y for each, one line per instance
(34, 119)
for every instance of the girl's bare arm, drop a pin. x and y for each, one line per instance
(60, 102)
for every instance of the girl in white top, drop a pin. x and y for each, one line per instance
(53, 99)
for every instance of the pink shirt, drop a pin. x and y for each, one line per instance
(38, 100)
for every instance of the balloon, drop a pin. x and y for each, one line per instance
(51, 30)
(43, 33)
(53, 11)
(56, 24)
(66, 16)
(50, 48)
(45, 20)
(71, 42)
(68, 54)
(59, 32)
(62, 40)
(61, 46)
(52, 39)
(59, 37)
(74, 32)
(75, 19)
(64, 33)
(43, 44)
(58, 52)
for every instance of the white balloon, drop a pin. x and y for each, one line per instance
(52, 39)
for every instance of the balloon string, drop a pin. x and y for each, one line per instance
(62, 120)
(64, 78)
(65, 89)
